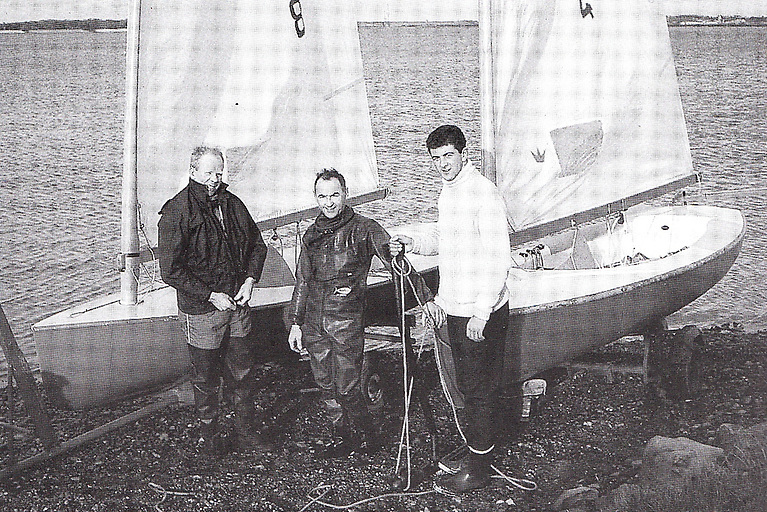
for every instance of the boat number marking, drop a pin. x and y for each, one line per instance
(587, 10)
(298, 19)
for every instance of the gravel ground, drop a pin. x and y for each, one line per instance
(586, 431)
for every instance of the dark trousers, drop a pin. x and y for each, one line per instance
(232, 363)
(479, 367)
(336, 350)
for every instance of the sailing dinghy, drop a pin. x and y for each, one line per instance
(581, 122)
(585, 125)
(278, 85)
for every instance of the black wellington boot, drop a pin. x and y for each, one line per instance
(474, 474)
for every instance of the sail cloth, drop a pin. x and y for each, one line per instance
(587, 109)
(277, 84)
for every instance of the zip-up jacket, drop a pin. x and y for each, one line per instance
(198, 255)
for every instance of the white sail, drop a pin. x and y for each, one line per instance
(277, 84)
(587, 106)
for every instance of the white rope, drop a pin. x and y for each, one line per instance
(325, 489)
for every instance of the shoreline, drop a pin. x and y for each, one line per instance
(586, 431)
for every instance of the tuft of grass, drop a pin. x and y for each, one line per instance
(723, 489)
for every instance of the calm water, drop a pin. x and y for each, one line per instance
(61, 115)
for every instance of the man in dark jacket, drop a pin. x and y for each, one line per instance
(327, 311)
(212, 253)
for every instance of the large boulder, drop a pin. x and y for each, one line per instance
(676, 464)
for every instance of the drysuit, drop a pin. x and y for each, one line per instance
(329, 305)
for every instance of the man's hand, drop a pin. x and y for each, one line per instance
(222, 301)
(294, 338)
(398, 244)
(474, 329)
(245, 291)
(436, 313)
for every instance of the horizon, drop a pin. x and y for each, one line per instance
(384, 10)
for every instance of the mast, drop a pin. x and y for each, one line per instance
(487, 89)
(129, 242)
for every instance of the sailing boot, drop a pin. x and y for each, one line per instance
(239, 361)
(206, 384)
(475, 474)
(371, 442)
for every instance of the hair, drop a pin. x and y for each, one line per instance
(330, 174)
(444, 135)
(200, 151)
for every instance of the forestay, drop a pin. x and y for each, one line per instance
(587, 106)
(277, 84)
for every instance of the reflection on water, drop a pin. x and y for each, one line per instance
(61, 115)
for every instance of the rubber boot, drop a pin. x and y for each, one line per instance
(368, 439)
(206, 382)
(247, 439)
(475, 474)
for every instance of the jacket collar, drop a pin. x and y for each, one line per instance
(200, 191)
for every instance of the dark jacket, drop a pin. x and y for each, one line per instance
(334, 260)
(197, 256)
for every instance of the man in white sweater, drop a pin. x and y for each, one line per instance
(471, 238)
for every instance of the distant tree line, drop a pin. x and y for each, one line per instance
(97, 24)
(694, 19)
(91, 24)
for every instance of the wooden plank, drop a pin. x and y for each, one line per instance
(27, 385)
(87, 437)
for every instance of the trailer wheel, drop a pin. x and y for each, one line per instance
(372, 383)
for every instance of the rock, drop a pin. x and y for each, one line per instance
(745, 448)
(573, 498)
(623, 499)
(675, 463)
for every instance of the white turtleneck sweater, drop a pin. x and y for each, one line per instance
(472, 240)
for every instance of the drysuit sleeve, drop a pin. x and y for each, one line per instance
(297, 310)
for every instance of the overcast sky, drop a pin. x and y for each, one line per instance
(24, 10)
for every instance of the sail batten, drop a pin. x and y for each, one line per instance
(277, 85)
(588, 109)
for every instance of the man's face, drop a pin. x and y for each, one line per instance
(330, 196)
(448, 161)
(210, 170)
